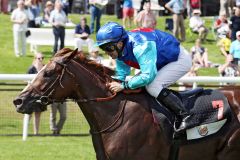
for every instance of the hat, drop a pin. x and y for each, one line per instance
(49, 3)
(238, 33)
(196, 11)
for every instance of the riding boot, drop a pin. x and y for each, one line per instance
(174, 104)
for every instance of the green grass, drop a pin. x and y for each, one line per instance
(46, 148)
(42, 147)
(59, 148)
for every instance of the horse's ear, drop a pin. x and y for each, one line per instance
(71, 55)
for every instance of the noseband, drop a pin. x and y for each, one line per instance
(45, 100)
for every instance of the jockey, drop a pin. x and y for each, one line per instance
(158, 55)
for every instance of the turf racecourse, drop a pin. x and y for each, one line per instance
(61, 148)
(46, 148)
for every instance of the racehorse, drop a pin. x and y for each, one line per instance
(122, 125)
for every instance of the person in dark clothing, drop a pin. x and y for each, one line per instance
(82, 36)
(235, 23)
(58, 19)
(119, 9)
(33, 11)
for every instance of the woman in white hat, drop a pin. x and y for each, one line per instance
(197, 24)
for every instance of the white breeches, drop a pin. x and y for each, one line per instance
(170, 73)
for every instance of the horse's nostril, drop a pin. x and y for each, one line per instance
(17, 102)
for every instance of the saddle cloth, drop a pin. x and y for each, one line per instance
(209, 111)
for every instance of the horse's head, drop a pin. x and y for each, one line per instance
(69, 74)
(51, 83)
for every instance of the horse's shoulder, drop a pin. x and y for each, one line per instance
(143, 99)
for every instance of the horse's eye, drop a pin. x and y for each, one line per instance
(48, 74)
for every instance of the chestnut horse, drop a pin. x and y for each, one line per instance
(122, 125)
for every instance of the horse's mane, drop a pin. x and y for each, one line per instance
(102, 71)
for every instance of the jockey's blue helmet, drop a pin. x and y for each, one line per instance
(110, 32)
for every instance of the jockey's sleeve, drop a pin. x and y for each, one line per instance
(122, 70)
(146, 55)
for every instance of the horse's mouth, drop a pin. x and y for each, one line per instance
(27, 108)
(23, 110)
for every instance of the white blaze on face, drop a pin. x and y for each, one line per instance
(32, 80)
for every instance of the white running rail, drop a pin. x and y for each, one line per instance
(193, 80)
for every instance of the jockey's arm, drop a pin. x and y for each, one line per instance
(146, 55)
(122, 70)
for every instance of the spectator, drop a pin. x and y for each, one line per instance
(192, 5)
(70, 5)
(4, 6)
(197, 25)
(20, 19)
(238, 3)
(47, 11)
(199, 55)
(188, 86)
(36, 66)
(221, 25)
(58, 20)
(82, 33)
(228, 69)
(119, 6)
(224, 7)
(224, 44)
(145, 18)
(176, 7)
(141, 5)
(235, 23)
(231, 6)
(65, 6)
(128, 13)
(235, 49)
(33, 13)
(95, 56)
(192, 72)
(96, 13)
(56, 127)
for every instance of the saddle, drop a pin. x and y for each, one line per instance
(209, 111)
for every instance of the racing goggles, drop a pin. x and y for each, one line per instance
(109, 47)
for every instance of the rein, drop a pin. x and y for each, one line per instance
(45, 100)
(117, 119)
(113, 123)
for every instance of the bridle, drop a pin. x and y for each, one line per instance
(45, 100)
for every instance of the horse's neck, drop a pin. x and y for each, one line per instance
(89, 84)
(98, 115)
